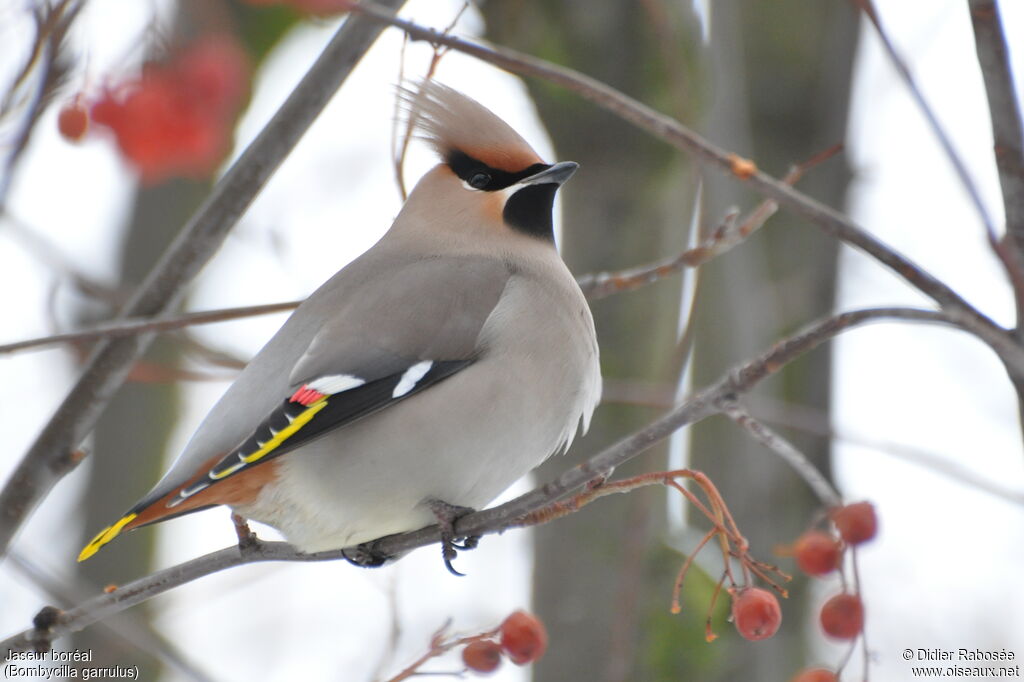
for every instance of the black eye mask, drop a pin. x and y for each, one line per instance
(479, 175)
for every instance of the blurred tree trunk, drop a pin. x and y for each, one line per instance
(782, 76)
(777, 75)
(131, 437)
(630, 203)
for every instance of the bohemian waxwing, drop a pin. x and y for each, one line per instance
(426, 376)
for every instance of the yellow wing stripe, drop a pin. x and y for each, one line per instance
(108, 534)
(105, 536)
(280, 437)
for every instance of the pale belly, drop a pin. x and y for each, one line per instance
(463, 441)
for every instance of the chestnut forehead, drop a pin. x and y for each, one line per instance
(505, 158)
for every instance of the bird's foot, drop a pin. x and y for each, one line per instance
(446, 515)
(366, 555)
(247, 540)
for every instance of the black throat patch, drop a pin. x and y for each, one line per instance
(529, 211)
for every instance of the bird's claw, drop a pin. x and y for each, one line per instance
(446, 515)
(247, 540)
(366, 555)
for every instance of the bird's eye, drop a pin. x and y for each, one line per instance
(479, 180)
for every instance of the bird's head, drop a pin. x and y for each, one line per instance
(489, 177)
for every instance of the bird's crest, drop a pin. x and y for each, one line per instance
(451, 122)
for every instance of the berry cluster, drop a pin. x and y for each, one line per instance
(819, 553)
(176, 118)
(521, 637)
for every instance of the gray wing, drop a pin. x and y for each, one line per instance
(430, 310)
(385, 336)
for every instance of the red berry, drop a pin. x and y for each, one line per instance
(842, 616)
(756, 613)
(816, 675)
(857, 522)
(523, 637)
(817, 553)
(482, 656)
(73, 121)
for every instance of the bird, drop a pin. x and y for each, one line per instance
(423, 378)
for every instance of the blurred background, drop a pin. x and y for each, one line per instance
(921, 421)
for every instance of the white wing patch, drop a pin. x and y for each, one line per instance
(335, 383)
(410, 377)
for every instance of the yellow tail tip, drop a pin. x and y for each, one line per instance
(105, 536)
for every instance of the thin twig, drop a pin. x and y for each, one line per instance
(594, 285)
(1011, 258)
(730, 232)
(403, 149)
(48, 458)
(704, 403)
(965, 177)
(438, 647)
(1010, 255)
(814, 421)
(52, 24)
(131, 629)
(782, 447)
(130, 327)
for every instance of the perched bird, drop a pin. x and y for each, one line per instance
(422, 379)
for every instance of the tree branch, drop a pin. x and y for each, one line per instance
(959, 167)
(815, 421)
(594, 286)
(786, 450)
(704, 403)
(674, 133)
(1004, 112)
(132, 631)
(1009, 255)
(52, 24)
(730, 232)
(49, 457)
(133, 326)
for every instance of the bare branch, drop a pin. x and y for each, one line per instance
(131, 326)
(796, 459)
(704, 403)
(133, 630)
(48, 458)
(594, 285)
(671, 131)
(730, 232)
(52, 24)
(440, 645)
(1011, 258)
(815, 421)
(1010, 255)
(868, 7)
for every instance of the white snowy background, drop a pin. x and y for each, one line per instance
(945, 569)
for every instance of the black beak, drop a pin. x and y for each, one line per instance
(555, 175)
